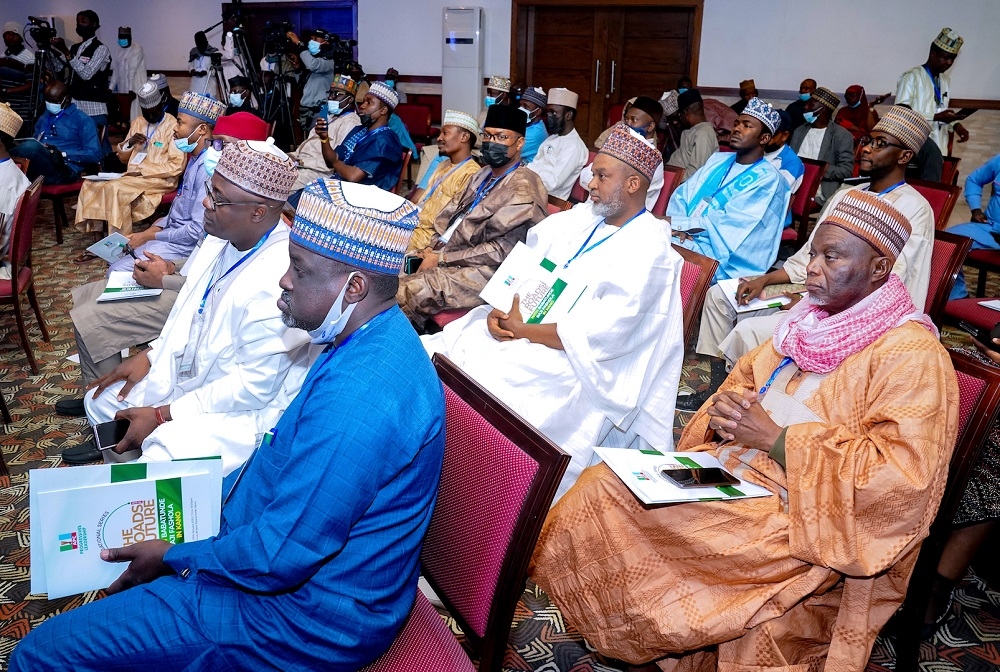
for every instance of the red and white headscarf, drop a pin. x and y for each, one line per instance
(818, 342)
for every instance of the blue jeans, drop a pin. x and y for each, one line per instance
(42, 164)
(981, 240)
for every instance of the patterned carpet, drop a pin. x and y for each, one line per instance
(541, 640)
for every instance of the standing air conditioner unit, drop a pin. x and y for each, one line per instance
(462, 60)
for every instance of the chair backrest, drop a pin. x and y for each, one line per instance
(615, 114)
(402, 171)
(672, 176)
(21, 163)
(941, 197)
(416, 118)
(949, 170)
(558, 205)
(497, 483)
(979, 403)
(946, 261)
(696, 277)
(22, 227)
(805, 197)
(579, 194)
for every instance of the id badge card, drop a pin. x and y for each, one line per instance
(138, 158)
(186, 367)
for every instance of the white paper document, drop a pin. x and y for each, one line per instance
(102, 177)
(121, 285)
(77, 512)
(993, 304)
(110, 249)
(640, 470)
(728, 288)
(544, 290)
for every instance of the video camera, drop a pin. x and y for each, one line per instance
(41, 32)
(341, 51)
(276, 37)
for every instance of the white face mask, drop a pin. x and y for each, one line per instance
(53, 108)
(211, 160)
(336, 319)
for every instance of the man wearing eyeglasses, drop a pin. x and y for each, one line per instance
(476, 231)
(214, 381)
(103, 330)
(885, 154)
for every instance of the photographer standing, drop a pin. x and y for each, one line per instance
(318, 62)
(200, 66)
(90, 62)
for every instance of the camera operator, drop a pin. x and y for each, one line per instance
(199, 65)
(318, 62)
(90, 62)
(17, 68)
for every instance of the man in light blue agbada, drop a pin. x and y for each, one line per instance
(733, 208)
(985, 224)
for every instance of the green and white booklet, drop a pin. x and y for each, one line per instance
(78, 511)
(544, 290)
(640, 470)
(121, 285)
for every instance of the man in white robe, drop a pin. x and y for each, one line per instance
(214, 382)
(606, 373)
(128, 68)
(563, 154)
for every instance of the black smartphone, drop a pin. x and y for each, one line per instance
(411, 264)
(703, 477)
(965, 112)
(108, 434)
(984, 336)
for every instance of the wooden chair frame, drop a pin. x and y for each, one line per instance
(693, 310)
(800, 221)
(942, 217)
(22, 225)
(552, 463)
(935, 305)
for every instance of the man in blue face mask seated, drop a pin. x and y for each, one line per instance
(319, 62)
(65, 142)
(214, 381)
(797, 108)
(239, 97)
(317, 152)
(823, 140)
(698, 139)
(174, 236)
(478, 228)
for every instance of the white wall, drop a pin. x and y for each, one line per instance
(405, 34)
(842, 42)
(779, 42)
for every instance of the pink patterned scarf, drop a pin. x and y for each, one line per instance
(819, 342)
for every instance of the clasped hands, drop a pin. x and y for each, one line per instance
(737, 415)
(505, 326)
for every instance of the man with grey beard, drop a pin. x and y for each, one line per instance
(605, 373)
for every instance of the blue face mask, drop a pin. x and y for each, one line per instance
(855, 104)
(681, 90)
(490, 100)
(212, 156)
(333, 108)
(805, 96)
(391, 83)
(123, 43)
(641, 130)
(53, 108)
(313, 47)
(810, 117)
(186, 145)
(235, 99)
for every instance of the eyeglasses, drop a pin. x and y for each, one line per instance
(214, 202)
(498, 137)
(878, 143)
(218, 144)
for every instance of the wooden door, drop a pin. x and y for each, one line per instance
(605, 52)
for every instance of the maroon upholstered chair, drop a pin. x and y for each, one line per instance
(969, 310)
(22, 281)
(949, 170)
(58, 193)
(946, 260)
(672, 176)
(979, 402)
(578, 193)
(985, 261)
(407, 155)
(804, 201)
(696, 278)
(498, 480)
(558, 205)
(941, 197)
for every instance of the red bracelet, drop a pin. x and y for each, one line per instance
(159, 416)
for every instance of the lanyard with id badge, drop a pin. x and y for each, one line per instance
(187, 367)
(482, 192)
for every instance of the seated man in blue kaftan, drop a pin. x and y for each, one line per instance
(371, 153)
(315, 566)
(733, 208)
(985, 225)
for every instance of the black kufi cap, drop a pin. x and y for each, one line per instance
(688, 98)
(504, 116)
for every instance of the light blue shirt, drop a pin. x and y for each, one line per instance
(534, 136)
(974, 183)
